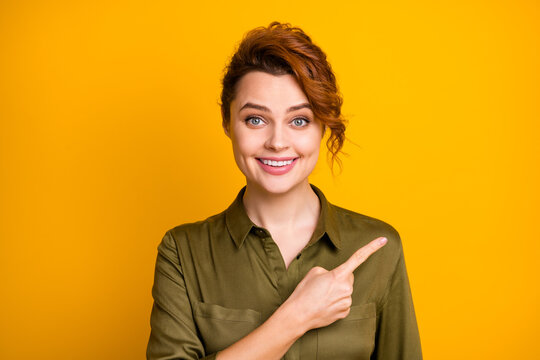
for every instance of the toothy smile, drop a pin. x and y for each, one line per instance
(276, 163)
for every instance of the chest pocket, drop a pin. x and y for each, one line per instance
(350, 338)
(220, 326)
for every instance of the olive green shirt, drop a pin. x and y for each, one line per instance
(217, 280)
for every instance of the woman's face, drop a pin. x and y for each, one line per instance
(275, 137)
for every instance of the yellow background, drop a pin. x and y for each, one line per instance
(110, 135)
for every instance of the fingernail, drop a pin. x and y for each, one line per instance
(382, 241)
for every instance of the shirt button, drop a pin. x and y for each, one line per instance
(260, 232)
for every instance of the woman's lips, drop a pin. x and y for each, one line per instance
(280, 165)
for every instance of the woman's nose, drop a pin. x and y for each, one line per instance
(277, 138)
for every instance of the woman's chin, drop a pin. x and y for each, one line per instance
(277, 186)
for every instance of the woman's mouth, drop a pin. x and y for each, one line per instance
(275, 163)
(277, 166)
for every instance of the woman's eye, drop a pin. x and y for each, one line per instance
(254, 121)
(300, 122)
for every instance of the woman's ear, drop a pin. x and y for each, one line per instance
(225, 124)
(226, 129)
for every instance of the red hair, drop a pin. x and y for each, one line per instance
(281, 49)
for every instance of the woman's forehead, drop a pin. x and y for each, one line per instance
(260, 88)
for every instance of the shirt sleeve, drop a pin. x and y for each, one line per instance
(397, 336)
(173, 332)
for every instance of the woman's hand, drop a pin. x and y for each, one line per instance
(323, 296)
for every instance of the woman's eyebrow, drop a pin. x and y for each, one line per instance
(264, 108)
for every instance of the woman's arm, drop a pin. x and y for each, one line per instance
(173, 332)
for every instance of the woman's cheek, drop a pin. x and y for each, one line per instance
(309, 146)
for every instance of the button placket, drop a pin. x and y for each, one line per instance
(276, 263)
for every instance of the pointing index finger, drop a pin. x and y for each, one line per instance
(360, 256)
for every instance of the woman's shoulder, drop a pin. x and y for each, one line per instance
(356, 219)
(351, 224)
(198, 226)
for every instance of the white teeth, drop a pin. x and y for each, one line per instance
(276, 163)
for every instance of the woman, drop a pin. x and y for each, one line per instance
(277, 274)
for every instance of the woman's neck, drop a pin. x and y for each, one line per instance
(298, 207)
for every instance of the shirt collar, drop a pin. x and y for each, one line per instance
(239, 224)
